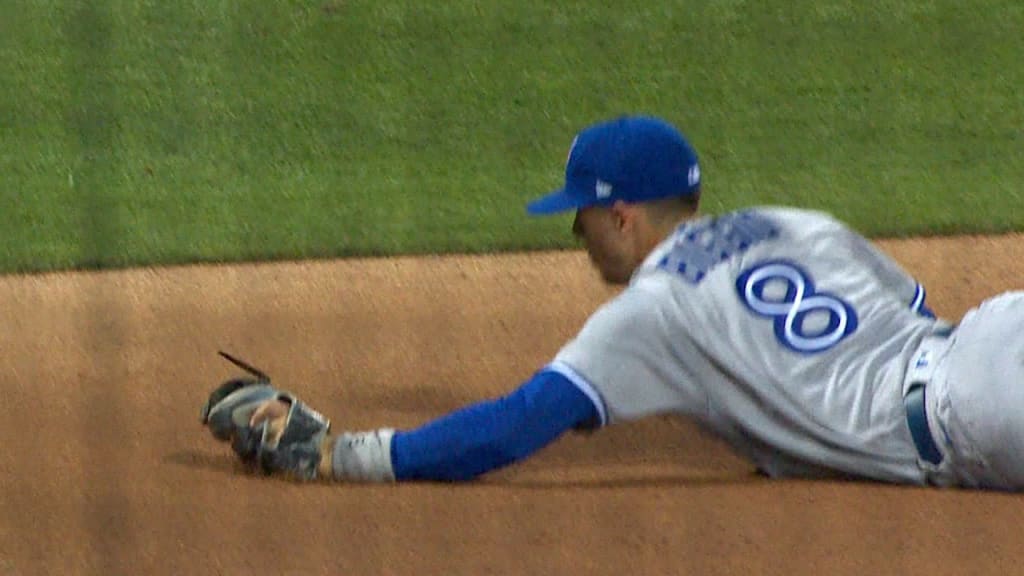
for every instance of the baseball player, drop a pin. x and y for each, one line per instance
(783, 331)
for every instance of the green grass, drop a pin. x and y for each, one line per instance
(138, 132)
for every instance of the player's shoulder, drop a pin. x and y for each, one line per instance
(738, 229)
(752, 225)
(797, 217)
(756, 219)
(700, 245)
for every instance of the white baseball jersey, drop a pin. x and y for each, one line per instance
(781, 330)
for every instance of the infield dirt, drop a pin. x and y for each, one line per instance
(106, 470)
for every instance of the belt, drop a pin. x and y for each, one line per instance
(917, 420)
(918, 375)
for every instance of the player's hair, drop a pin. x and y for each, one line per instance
(673, 209)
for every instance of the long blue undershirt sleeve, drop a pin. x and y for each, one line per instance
(491, 434)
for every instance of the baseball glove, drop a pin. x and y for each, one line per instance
(290, 442)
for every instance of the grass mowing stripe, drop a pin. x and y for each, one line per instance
(92, 120)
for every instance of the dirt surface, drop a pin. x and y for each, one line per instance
(106, 470)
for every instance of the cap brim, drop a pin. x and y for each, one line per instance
(557, 201)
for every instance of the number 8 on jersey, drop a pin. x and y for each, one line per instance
(805, 320)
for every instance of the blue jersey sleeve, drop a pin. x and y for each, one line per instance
(491, 434)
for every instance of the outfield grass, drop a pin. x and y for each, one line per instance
(136, 132)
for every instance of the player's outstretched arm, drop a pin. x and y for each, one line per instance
(458, 446)
(492, 434)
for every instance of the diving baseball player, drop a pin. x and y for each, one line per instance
(786, 333)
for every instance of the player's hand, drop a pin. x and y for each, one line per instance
(273, 431)
(275, 414)
(229, 410)
(268, 428)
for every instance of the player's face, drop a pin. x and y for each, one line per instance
(605, 235)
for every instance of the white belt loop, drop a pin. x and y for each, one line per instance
(922, 364)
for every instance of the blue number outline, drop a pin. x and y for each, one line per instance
(789, 313)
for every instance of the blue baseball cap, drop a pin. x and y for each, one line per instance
(630, 158)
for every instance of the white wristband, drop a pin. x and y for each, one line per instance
(363, 456)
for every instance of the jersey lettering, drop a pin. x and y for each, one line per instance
(699, 248)
(782, 291)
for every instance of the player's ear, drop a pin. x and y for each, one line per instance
(625, 215)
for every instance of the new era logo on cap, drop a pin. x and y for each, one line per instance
(647, 158)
